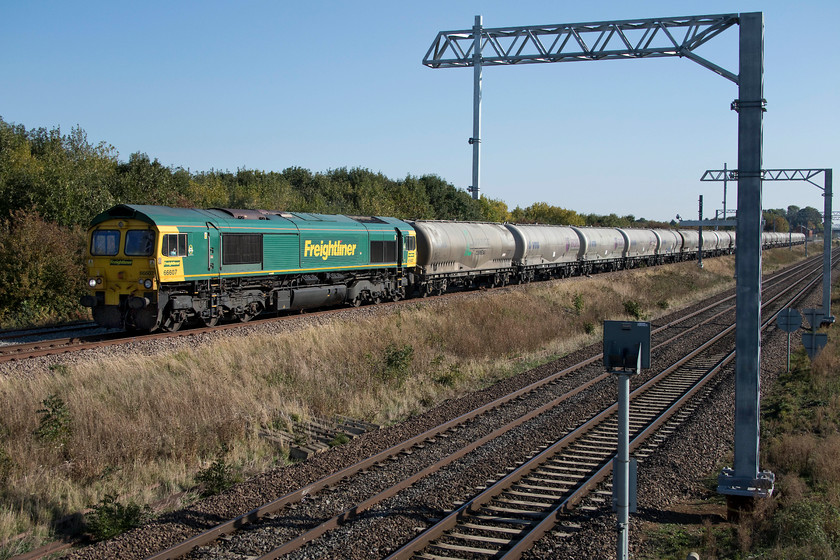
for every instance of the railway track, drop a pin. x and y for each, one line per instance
(509, 516)
(541, 498)
(65, 345)
(50, 345)
(15, 334)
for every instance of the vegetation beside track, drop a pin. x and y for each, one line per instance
(137, 430)
(801, 445)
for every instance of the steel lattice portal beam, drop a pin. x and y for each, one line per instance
(572, 42)
(809, 176)
(766, 175)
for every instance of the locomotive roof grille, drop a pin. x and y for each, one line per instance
(367, 219)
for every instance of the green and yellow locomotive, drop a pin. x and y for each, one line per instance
(155, 267)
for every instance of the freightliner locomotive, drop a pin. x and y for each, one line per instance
(156, 268)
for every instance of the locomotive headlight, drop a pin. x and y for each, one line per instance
(147, 283)
(92, 282)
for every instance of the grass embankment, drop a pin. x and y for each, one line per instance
(800, 423)
(142, 428)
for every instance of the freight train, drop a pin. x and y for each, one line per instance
(156, 268)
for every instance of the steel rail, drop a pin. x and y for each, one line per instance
(9, 334)
(553, 517)
(768, 282)
(452, 520)
(295, 496)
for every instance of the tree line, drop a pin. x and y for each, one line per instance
(781, 220)
(67, 179)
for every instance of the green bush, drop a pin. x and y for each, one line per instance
(450, 377)
(41, 271)
(577, 301)
(218, 477)
(339, 438)
(6, 466)
(634, 309)
(397, 362)
(109, 517)
(807, 523)
(55, 425)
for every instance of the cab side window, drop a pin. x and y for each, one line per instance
(174, 245)
(411, 243)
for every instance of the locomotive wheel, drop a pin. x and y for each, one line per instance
(210, 321)
(174, 321)
(251, 311)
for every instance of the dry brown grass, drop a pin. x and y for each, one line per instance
(143, 426)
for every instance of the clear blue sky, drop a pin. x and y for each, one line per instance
(320, 85)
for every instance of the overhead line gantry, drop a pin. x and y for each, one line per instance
(655, 38)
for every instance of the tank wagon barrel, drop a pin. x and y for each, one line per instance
(639, 245)
(462, 254)
(601, 249)
(544, 251)
(668, 246)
